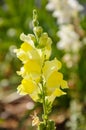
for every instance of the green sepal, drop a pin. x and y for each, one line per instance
(41, 126)
(50, 126)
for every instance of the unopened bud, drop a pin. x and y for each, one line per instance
(38, 31)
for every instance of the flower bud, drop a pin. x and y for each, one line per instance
(32, 37)
(44, 40)
(38, 31)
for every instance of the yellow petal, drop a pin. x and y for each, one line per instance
(51, 66)
(45, 45)
(33, 69)
(56, 93)
(20, 90)
(26, 47)
(27, 86)
(64, 84)
(27, 39)
(32, 66)
(27, 52)
(22, 72)
(34, 95)
(44, 40)
(22, 55)
(54, 80)
(34, 55)
(47, 52)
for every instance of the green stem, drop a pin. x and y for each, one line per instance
(45, 116)
(35, 18)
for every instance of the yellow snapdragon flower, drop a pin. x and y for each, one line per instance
(33, 68)
(51, 66)
(45, 44)
(41, 78)
(26, 52)
(54, 79)
(28, 86)
(38, 72)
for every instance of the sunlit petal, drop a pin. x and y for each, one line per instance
(26, 47)
(27, 39)
(51, 66)
(27, 86)
(55, 79)
(64, 84)
(22, 55)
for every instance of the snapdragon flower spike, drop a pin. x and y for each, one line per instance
(38, 72)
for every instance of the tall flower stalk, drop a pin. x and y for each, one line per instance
(41, 77)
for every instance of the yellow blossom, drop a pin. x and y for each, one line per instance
(50, 66)
(33, 68)
(54, 79)
(45, 44)
(27, 52)
(28, 86)
(57, 93)
(64, 84)
(28, 38)
(53, 82)
(21, 55)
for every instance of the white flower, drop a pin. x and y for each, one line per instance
(51, 5)
(69, 39)
(64, 10)
(70, 60)
(75, 5)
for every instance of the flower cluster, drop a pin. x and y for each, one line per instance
(64, 10)
(70, 43)
(69, 39)
(41, 76)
